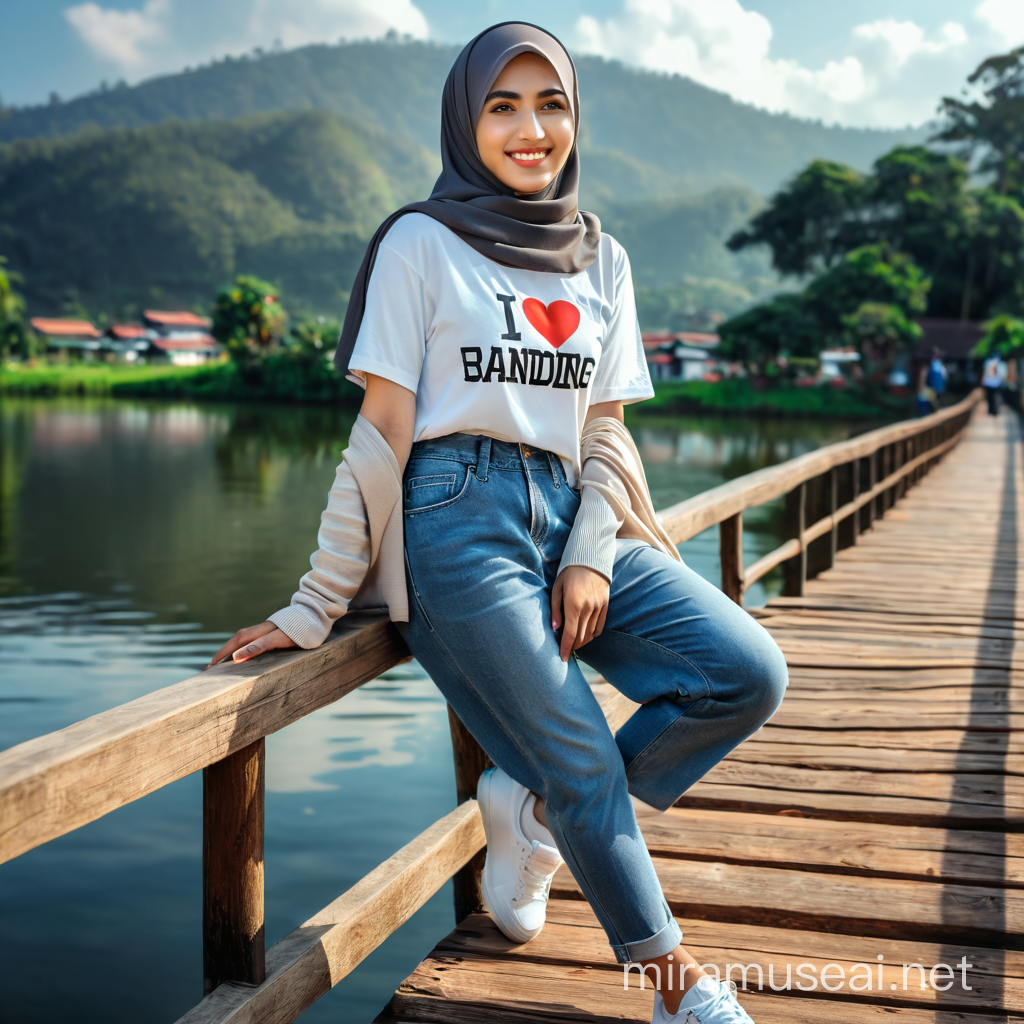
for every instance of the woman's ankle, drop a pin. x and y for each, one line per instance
(677, 973)
(538, 810)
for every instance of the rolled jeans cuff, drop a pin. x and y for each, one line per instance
(647, 949)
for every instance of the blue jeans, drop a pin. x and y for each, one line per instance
(485, 525)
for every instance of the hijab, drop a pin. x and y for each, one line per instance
(543, 231)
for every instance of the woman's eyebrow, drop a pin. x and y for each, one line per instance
(505, 94)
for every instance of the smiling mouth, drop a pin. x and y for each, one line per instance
(527, 157)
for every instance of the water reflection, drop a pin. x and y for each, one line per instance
(133, 538)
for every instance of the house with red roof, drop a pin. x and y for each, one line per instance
(68, 334)
(680, 355)
(180, 337)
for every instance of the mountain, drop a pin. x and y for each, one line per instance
(282, 164)
(163, 215)
(644, 133)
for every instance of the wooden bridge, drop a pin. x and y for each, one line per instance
(867, 844)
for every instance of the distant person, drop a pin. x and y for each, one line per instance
(938, 376)
(931, 384)
(992, 377)
(494, 328)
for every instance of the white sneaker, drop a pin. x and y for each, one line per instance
(721, 1008)
(517, 871)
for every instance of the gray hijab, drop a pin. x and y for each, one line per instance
(544, 231)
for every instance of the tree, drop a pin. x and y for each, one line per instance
(868, 296)
(992, 127)
(811, 222)
(248, 319)
(787, 325)
(14, 334)
(1004, 336)
(314, 339)
(872, 273)
(880, 332)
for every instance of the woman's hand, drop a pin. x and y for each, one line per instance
(582, 594)
(252, 640)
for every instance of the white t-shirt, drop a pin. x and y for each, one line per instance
(489, 349)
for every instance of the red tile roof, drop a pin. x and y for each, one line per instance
(60, 328)
(175, 318)
(126, 331)
(204, 344)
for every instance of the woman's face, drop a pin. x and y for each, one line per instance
(525, 130)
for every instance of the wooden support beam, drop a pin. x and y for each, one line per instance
(470, 761)
(873, 507)
(795, 570)
(233, 815)
(855, 470)
(833, 496)
(730, 546)
(314, 957)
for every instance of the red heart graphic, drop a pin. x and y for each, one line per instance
(557, 322)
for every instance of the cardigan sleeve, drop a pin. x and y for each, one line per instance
(337, 567)
(592, 539)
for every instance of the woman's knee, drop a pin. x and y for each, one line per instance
(768, 677)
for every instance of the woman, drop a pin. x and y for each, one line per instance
(494, 329)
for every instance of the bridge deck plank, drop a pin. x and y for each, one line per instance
(879, 813)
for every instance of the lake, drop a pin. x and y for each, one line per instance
(134, 538)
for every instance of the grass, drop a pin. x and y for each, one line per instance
(739, 397)
(279, 378)
(101, 378)
(285, 378)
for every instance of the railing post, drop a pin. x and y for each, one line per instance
(233, 814)
(872, 505)
(885, 497)
(730, 546)
(854, 495)
(470, 762)
(794, 570)
(833, 483)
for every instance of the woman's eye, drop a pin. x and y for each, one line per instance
(500, 108)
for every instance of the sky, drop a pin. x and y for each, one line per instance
(850, 62)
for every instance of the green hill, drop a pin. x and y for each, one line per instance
(281, 165)
(165, 214)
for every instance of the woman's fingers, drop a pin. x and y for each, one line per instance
(269, 642)
(579, 602)
(556, 603)
(586, 632)
(241, 639)
(570, 629)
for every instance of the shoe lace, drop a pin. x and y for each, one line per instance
(532, 883)
(728, 1010)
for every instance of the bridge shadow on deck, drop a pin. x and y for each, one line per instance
(991, 689)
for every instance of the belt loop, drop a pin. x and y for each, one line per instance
(553, 463)
(483, 457)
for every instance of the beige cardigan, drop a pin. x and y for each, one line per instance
(360, 561)
(614, 499)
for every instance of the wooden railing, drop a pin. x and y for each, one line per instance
(217, 721)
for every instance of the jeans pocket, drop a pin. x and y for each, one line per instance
(433, 484)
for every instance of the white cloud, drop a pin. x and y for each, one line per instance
(164, 35)
(1005, 18)
(892, 73)
(118, 36)
(905, 39)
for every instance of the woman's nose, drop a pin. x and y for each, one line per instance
(530, 127)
